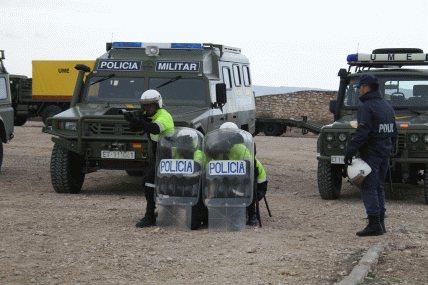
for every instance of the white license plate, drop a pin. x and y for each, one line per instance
(118, 154)
(338, 159)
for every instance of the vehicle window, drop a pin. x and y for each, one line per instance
(116, 89)
(237, 75)
(3, 93)
(247, 79)
(398, 91)
(180, 91)
(226, 77)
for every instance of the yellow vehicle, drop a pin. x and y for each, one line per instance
(48, 93)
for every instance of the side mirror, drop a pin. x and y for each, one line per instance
(333, 104)
(220, 93)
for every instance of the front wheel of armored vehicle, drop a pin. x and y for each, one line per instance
(426, 185)
(329, 180)
(66, 170)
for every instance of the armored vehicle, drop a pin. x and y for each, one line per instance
(6, 110)
(406, 89)
(202, 86)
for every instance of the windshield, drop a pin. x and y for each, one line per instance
(398, 91)
(115, 89)
(128, 90)
(181, 90)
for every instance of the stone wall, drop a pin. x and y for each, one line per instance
(313, 104)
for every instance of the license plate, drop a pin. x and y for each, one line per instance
(338, 159)
(118, 154)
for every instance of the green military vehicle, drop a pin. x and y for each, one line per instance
(6, 110)
(406, 89)
(202, 86)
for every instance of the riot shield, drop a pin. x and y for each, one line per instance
(228, 178)
(178, 176)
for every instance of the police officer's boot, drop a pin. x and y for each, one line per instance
(149, 219)
(252, 217)
(374, 228)
(382, 222)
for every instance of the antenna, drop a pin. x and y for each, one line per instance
(358, 46)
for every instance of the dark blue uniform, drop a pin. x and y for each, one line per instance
(374, 138)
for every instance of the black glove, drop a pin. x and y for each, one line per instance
(348, 159)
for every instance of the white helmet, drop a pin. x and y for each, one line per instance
(357, 171)
(229, 125)
(189, 135)
(151, 96)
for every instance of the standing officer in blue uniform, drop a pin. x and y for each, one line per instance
(155, 120)
(374, 139)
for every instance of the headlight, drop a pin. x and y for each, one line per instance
(342, 137)
(329, 137)
(414, 138)
(70, 126)
(425, 138)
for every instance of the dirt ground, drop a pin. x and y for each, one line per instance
(91, 238)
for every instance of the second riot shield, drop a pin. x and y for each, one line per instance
(178, 177)
(228, 178)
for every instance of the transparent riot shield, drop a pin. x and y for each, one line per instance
(228, 178)
(178, 176)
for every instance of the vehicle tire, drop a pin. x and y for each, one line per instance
(426, 185)
(397, 50)
(270, 129)
(329, 180)
(1, 153)
(20, 120)
(66, 170)
(135, 172)
(50, 111)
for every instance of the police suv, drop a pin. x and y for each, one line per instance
(202, 86)
(6, 110)
(406, 89)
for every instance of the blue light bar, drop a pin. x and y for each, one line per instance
(126, 44)
(352, 57)
(186, 45)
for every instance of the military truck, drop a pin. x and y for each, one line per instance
(202, 86)
(6, 110)
(47, 93)
(406, 89)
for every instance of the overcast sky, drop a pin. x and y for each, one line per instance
(289, 43)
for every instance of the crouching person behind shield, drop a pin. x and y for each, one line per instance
(178, 179)
(229, 144)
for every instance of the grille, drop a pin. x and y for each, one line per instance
(100, 129)
(400, 143)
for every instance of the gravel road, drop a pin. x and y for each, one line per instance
(90, 238)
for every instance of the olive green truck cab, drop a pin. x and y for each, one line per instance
(6, 110)
(406, 89)
(202, 86)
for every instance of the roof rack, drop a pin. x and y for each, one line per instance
(224, 49)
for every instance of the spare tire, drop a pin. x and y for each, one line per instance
(397, 50)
